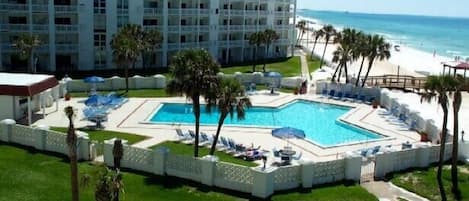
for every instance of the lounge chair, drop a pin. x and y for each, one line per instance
(331, 93)
(339, 95)
(276, 152)
(324, 93)
(297, 157)
(375, 150)
(413, 125)
(182, 136)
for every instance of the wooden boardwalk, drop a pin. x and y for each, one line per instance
(402, 82)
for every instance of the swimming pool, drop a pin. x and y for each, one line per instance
(318, 120)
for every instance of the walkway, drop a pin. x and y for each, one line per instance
(386, 191)
(305, 69)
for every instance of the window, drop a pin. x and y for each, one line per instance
(201, 38)
(202, 6)
(17, 20)
(277, 49)
(279, 22)
(150, 22)
(123, 4)
(225, 6)
(62, 2)
(183, 5)
(279, 8)
(153, 4)
(183, 22)
(21, 1)
(62, 20)
(225, 22)
(100, 40)
(99, 6)
(183, 39)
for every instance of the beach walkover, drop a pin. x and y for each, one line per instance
(401, 82)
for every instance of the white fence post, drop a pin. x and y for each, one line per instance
(307, 172)
(5, 130)
(423, 155)
(40, 135)
(383, 164)
(353, 163)
(263, 181)
(159, 160)
(107, 152)
(83, 145)
(208, 169)
(464, 151)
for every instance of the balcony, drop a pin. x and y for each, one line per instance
(187, 45)
(40, 8)
(152, 11)
(66, 28)
(41, 27)
(65, 9)
(284, 41)
(14, 27)
(283, 26)
(66, 48)
(174, 11)
(153, 27)
(5, 7)
(8, 47)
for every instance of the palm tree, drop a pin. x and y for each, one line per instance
(195, 75)
(270, 36)
(118, 153)
(72, 152)
(458, 85)
(109, 185)
(378, 49)
(27, 44)
(151, 40)
(345, 52)
(438, 87)
(317, 34)
(231, 99)
(329, 32)
(130, 43)
(256, 39)
(302, 27)
(362, 49)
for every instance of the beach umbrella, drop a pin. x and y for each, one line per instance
(288, 132)
(93, 80)
(275, 76)
(96, 100)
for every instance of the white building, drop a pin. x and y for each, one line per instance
(76, 33)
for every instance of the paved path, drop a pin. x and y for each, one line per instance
(304, 69)
(385, 191)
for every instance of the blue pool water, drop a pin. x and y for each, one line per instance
(319, 121)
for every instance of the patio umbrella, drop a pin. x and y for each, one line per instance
(288, 132)
(275, 76)
(93, 80)
(96, 100)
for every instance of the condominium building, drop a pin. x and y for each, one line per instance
(76, 34)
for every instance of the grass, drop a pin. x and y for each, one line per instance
(423, 182)
(265, 87)
(313, 63)
(184, 149)
(28, 175)
(133, 93)
(101, 135)
(288, 68)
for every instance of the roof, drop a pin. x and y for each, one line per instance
(457, 65)
(20, 84)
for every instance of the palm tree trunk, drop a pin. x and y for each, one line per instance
(196, 108)
(346, 73)
(340, 72)
(31, 62)
(215, 140)
(254, 58)
(370, 64)
(442, 152)
(266, 54)
(126, 74)
(359, 72)
(324, 52)
(72, 151)
(314, 47)
(335, 72)
(454, 157)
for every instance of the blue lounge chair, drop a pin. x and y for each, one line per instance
(375, 150)
(339, 95)
(413, 125)
(331, 93)
(324, 92)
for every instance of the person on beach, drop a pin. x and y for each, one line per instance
(434, 53)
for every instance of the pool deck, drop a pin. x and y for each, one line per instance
(132, 115)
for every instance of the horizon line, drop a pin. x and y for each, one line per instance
(385, 13)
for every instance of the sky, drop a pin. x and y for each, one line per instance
(451, 8)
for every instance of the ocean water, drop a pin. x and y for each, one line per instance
(444, 35)
(320, 122)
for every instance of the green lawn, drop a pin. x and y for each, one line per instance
(183, 149)
(264, 87)
(423, 182)
(313, 63)
(289, 68)
(133, 93)
(28, 175)
(101, 135)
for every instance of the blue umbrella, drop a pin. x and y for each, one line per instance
(273, 74)
(96, 100)
(288, 132)
(93, 79)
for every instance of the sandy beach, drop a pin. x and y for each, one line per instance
(412, 62)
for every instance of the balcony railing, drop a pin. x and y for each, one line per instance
(66, 48)
(13, 7)
(8, 47)
(152, 11)
(41, 27)
(186, 45)
(153, 27)
(14, 27)
(39, 8)
(65, 9)
(283, 26)
(66, 28)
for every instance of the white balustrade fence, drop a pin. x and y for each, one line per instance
(348, 89)
(117, 83)
(422, 155)
(257, 181)
(43, 139)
